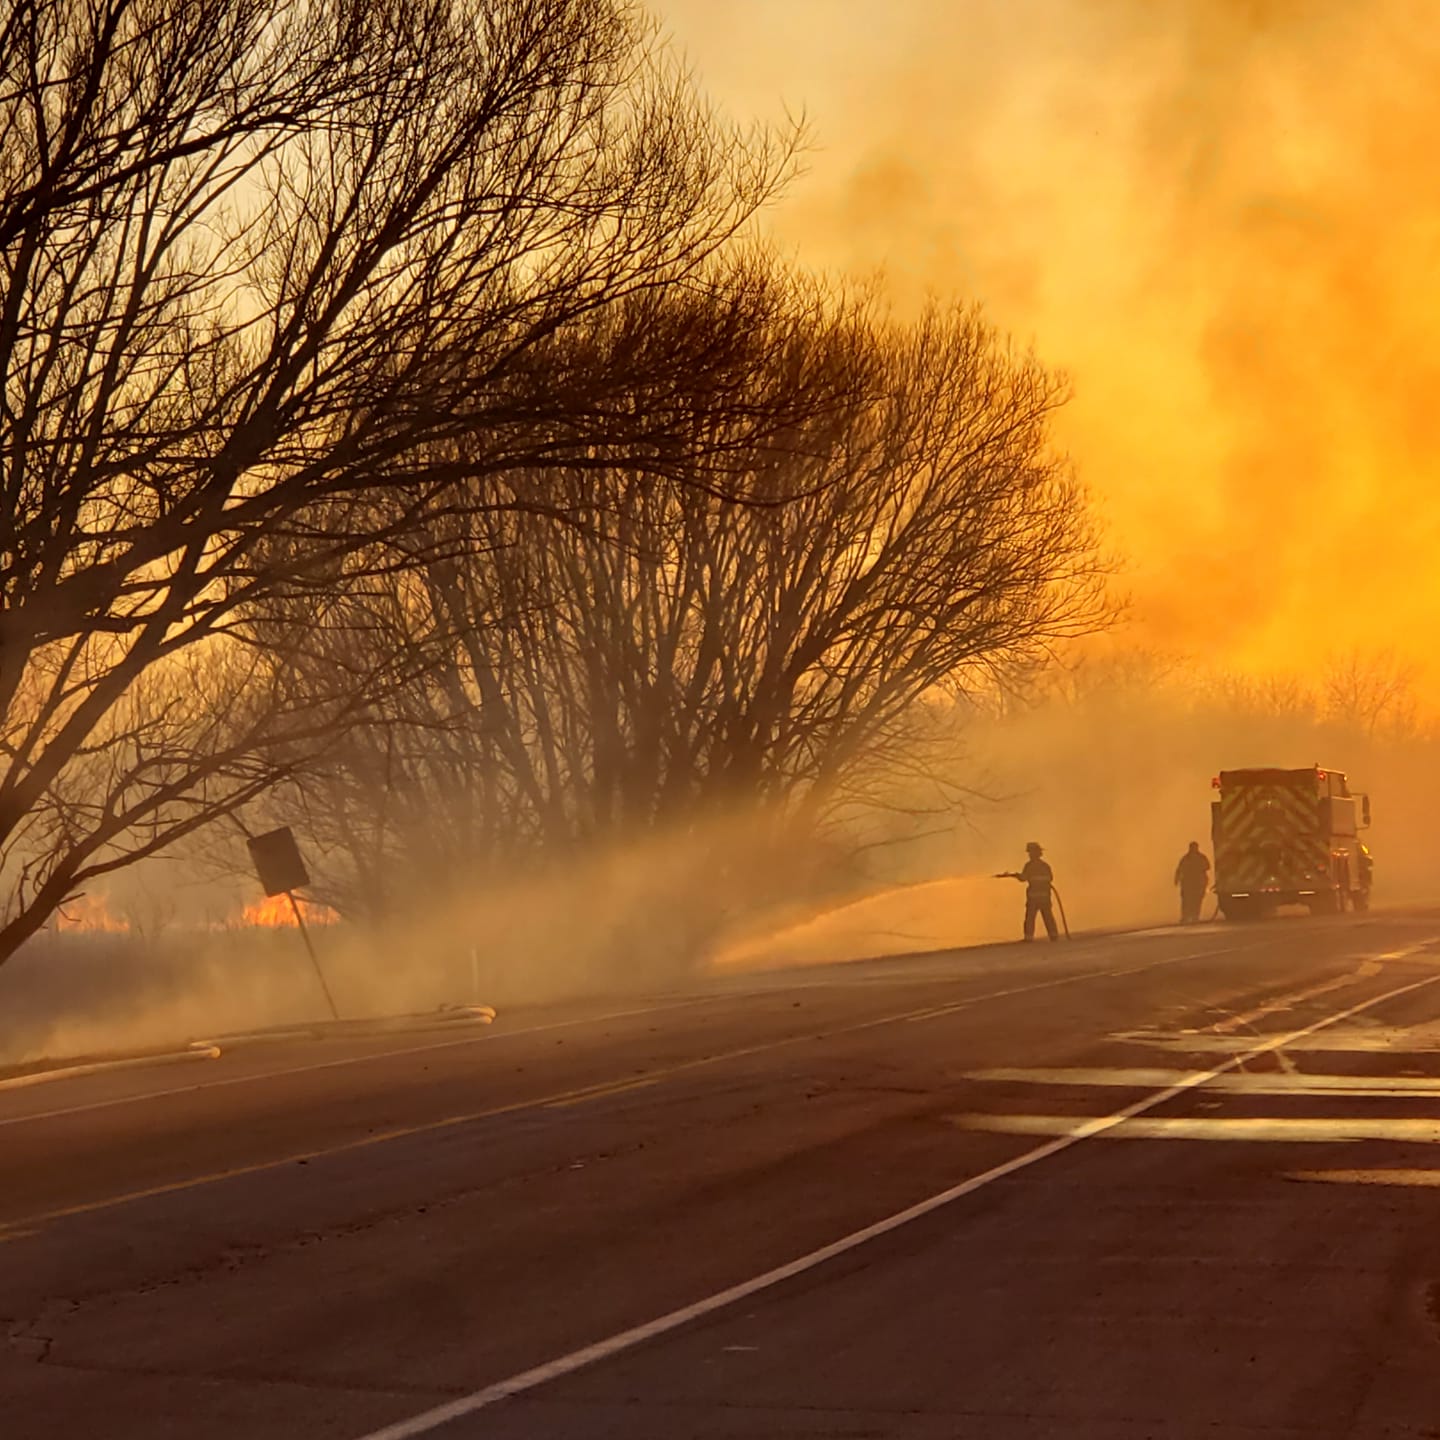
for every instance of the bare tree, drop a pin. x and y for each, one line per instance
(485, 755)
(1373, 692)
(257, 259)
(1273, 697)
(674, 654)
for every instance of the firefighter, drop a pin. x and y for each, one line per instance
(1192, 875)
(1039, 882)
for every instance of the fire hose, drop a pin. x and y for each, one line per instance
(1063, 920)
(1054, 890)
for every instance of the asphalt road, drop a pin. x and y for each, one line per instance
(1179, 1185)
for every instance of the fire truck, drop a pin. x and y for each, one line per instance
(1289, 837)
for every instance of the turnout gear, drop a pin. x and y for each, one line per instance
(1039, 881)
(1192, 875)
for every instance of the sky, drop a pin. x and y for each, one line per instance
(1220, 217)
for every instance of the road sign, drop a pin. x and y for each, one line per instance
(282, 872)
(277, 862)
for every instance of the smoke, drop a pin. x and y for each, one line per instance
(641, 916)
(1222, 217)
(1113, 775)
(1110, 771)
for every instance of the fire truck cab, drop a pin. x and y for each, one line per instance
(1289, 837)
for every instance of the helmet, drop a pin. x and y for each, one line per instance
(1034, 848)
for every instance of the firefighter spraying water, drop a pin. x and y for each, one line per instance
(1040, 891)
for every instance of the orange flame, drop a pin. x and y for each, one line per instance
(89, 911)
(274, 912)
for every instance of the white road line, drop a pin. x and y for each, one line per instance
(430, 1420)
(958, 1005)
(491, 1036)
(600, 1090)
(1227, 1129)
(1292, 1082)
(488, 1037)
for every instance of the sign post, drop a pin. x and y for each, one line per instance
(281, 870)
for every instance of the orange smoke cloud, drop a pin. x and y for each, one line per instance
(1221, 217)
